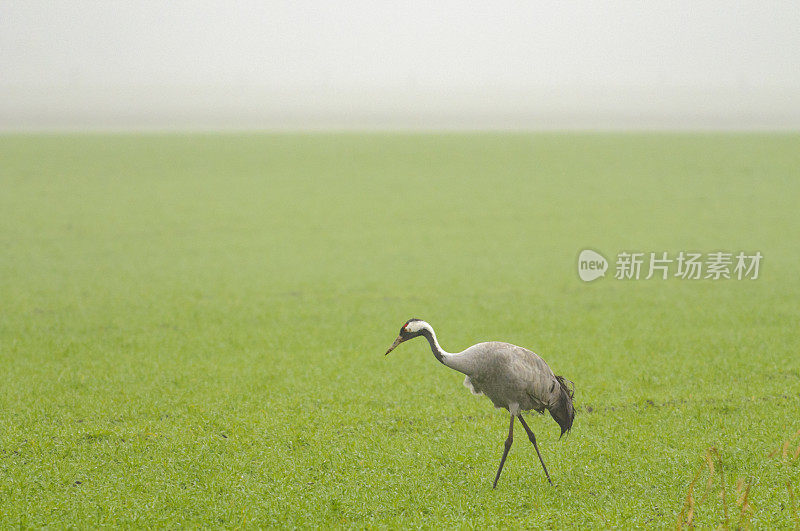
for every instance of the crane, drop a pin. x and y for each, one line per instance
(512, 377)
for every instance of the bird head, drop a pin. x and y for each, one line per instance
(410, 329)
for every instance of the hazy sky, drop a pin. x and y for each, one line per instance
(399, 64)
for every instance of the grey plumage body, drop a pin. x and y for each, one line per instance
(512, 377)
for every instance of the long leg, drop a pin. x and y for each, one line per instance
(509, 440)
(532, 437)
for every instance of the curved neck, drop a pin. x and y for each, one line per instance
(438, 351)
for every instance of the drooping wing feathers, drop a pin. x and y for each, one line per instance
(567, 385)
(562, 410)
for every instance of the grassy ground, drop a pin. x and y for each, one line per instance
(192, 328)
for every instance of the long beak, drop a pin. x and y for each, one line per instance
(396, 342)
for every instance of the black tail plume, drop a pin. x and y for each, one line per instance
(561, 410)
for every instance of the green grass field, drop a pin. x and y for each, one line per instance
(192, 329)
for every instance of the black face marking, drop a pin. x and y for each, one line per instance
(406, 334)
